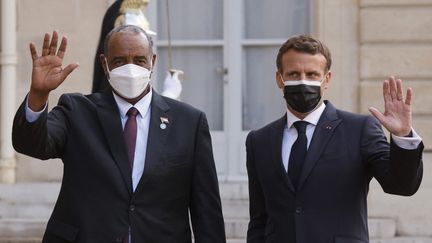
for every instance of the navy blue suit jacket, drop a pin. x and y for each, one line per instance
(329, 205)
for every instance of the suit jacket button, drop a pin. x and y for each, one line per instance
(119, 239)
(298, 210)
(132, 207)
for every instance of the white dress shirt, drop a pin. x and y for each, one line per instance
(290, 134)
(143, 122)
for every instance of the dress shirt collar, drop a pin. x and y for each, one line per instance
(143, 105)
(312, 118)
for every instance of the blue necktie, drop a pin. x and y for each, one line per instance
(298, 153)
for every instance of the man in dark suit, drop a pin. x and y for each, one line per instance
(309, 171)
(138, 167)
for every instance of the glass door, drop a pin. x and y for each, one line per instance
(227, 49)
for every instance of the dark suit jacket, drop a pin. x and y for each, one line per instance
(96, 203)
(329, 204)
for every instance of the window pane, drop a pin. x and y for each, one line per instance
(203, 84)
(191, 19)
(262, 100)
(276, 18)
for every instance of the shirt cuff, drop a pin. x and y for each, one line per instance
(409, 143)
(30, 115)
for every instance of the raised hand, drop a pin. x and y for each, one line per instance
(47, 73)
(397, 117)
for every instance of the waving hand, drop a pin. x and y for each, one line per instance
(47, 73)
(397, 117)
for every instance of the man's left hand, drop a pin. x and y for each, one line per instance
(397, 117)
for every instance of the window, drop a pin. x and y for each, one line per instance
(227, 49)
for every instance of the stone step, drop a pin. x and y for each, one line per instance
(388, 240)
(382, 228)
(28, 200)
(234, 191)
(30, 228)
(36, 200)
(238, 210)
(235, 209)
(19, 240)
(34, 228)
(235, 228)
(25, 209)
(378, 228)
(231, 209)
(38, 240)
(29, 192)
(228, 241)
(48, 192)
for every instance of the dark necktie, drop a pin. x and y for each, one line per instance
(298, 152)
(130, 133)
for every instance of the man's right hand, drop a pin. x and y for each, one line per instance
(47, 73)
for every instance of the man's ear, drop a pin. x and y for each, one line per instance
(153, 60)
(327, 80)
(279, 80)
(103, 63)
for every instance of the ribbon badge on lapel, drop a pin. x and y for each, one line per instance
(164, 122)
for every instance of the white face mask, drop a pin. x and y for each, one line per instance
(129, 80)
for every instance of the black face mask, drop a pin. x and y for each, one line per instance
(302, 96)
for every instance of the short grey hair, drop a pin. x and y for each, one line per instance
(127, 28)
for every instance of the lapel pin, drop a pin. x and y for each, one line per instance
(328, 127)
(164, 122)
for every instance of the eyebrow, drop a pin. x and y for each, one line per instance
(141, 57)
(119, 58)
(313, 72)
(122, 58)
(292, 72)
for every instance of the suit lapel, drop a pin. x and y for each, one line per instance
(324, 130)
(109, 118)
(276, 138)
(156, 142)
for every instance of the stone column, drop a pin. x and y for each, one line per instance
(8, 62)
(336, 23)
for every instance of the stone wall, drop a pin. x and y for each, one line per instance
(80, 21)
(370, 39)
(396, 39)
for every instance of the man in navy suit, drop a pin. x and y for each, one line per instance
(138, 167)
(309, 171)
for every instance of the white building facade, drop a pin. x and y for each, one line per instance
(227, 49)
